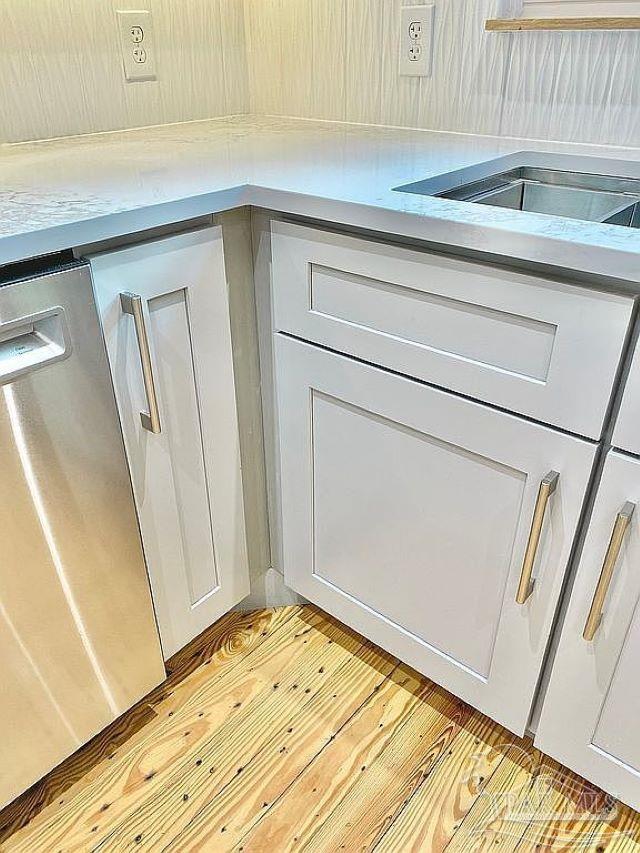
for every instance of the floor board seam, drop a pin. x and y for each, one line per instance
(432, 688)
(309, 764)
(441, 761)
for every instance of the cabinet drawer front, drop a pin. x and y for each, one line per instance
(406, 513)
(590, 713)
(626, 435)
(514, 340)
(186, 479)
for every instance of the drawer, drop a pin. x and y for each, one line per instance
(541, 348)
(626, 435)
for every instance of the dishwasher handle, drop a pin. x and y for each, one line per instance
(131, 303)
(34, 341)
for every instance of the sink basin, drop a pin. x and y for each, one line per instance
(576, 195)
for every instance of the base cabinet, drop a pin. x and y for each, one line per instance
(591, 709)
(408, 513)
(165, 316)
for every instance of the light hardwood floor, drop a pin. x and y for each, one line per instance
(283, 730)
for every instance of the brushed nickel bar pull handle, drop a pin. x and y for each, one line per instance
(623, 519)
(547, 488)
(132, 304)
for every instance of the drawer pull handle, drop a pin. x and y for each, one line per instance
(132, 304)
(547, 488)
(623, 519)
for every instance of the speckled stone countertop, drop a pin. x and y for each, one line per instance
(64, 193)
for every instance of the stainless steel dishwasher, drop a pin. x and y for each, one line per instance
(78, 640)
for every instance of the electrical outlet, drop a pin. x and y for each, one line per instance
(136, 44)
(416, 40)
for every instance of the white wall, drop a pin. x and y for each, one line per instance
(337, 59)
(60, 70)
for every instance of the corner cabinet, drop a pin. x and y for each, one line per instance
(589, 715)
(165, 315)
(416, 517)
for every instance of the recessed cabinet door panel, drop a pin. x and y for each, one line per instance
(186, 478)
(170, 331)
(407, 512)
(592, 706)
(364, 560)
(512, 339)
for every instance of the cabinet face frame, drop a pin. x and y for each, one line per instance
(511, 339)
(506, 694)
(186, 480)
(582, 716)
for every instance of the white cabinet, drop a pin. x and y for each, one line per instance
(165, 315)
(516, 340)
(626, 434)
(407, 512)
(591, 709)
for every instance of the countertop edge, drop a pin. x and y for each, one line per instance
(488, 238)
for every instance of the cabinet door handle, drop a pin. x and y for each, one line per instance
(623, 519)
(132, 304)
(547, 488)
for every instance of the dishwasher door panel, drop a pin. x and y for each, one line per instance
(78, 641)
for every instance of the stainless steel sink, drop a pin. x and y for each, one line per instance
(576, 195)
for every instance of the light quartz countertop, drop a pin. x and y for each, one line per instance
(64, 193)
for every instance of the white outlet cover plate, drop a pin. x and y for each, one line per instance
(416, 53)
(136, 44)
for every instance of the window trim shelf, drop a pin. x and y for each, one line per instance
(505, 25)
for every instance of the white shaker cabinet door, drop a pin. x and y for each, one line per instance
(165, 302)
(591, 711)
(626, 434)
(407, 512)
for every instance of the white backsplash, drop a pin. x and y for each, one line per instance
(60, 69)
(338, 59)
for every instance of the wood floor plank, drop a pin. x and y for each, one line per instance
(196, 666)
(619, 833)
(223, 645)
(290, 822)
(375, 798)
(500, 815)
(232, 637)
(435, 811)
(241, 804)
(564, 818)
(221, 755)
(124, 781)
(53, 788)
